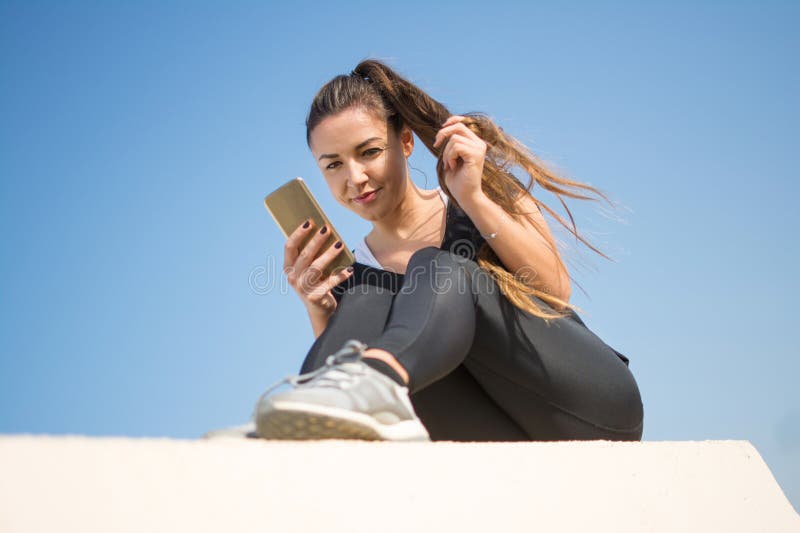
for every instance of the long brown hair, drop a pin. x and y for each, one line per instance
(375, 86)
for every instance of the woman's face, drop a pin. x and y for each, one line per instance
(358, 153)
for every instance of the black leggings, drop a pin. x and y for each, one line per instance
(481, 369)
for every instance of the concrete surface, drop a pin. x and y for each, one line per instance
(75, 483)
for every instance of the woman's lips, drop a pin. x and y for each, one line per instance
(366, 199)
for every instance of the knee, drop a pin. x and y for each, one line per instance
(440, 269)
(424, 255)
(436, 262)
(439, 257)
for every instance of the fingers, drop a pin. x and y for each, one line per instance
(458, 147)
(453, 119)
(303, 270)
(326, 302)
(310, 250)
(452, 151)
(302, 267)
(459, 142)
(292, 247)
(451, 127)
(321, 296)
(320, 263)
(333, 280)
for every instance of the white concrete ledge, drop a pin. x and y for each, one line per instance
(73, 483)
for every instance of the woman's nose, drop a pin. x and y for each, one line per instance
(357, 176)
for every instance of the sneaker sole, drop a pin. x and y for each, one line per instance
(230, 434)
(301, 421)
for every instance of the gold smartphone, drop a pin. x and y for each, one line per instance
(290, 205)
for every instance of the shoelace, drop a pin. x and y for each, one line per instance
(326, 375)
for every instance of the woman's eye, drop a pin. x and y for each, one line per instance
(369, 152)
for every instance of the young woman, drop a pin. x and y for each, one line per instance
(454, 323)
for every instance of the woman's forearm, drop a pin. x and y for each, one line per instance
(318, 321)
(520, 246)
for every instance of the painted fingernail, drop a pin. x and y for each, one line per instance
(338, 244)
(307, 224)
(350, 269)
(323, 230)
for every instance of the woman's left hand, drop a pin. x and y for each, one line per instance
(462, 159)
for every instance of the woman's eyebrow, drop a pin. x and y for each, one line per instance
(359, 145)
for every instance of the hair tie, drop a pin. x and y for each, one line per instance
(355, 74)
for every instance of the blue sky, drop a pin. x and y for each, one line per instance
(138, 141)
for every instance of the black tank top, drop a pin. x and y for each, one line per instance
(460, 237)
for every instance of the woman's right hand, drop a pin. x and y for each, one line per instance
(304, 273)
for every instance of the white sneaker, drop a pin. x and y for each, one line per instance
(345, 399)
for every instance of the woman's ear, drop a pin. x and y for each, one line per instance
(407, 140)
